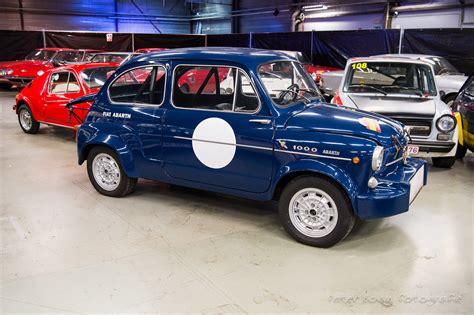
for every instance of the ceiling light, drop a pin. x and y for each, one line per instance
(315, 7)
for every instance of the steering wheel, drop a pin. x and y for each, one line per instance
(283, 97)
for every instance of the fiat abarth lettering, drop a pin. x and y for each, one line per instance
(256, 128)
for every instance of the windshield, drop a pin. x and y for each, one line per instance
(96, 77)
(69, 56)
(390, 78)
(288, 82)
(40, 55)
(442, 66)
(117, 58)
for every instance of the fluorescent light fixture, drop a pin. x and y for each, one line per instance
(315, 7)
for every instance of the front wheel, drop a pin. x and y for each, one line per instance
(461, 151)
(27, 122)
(444, 162)
(107, 175)
(315, 211)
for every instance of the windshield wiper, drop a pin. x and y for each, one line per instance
(368, 86)
(417, 92)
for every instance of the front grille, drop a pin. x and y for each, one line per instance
(418, 126)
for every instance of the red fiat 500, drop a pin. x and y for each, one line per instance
(43, 100)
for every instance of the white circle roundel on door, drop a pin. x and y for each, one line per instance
(214, 142)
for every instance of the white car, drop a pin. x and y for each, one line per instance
(405, 90)
(448, 79)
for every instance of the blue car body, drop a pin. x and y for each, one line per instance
(156, 141)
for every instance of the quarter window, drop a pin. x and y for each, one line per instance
(63, 82)
(213, 88)
(142, 85)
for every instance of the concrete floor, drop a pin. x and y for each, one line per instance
(65, 248)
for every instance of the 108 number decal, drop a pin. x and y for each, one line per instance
(359, 65)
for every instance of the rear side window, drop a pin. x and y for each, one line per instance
(213, 88)
(63, 82)
(142, 85)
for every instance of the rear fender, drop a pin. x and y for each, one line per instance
(87, 138)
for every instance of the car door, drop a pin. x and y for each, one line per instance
(218, 134)
(465, 105)
(63, 86)
(136, 97)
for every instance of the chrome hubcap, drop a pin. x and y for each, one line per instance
(25, 119)
(313, 212)
(106, 172)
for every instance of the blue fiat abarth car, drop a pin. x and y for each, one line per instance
(248, 123)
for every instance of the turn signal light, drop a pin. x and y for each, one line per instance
(355, 160)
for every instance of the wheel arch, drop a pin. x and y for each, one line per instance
(112, 142)
(339, 178)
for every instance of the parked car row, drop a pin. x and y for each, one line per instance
(20, 72)
(244, 122)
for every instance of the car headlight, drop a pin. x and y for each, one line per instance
(9, 71)
(3, 72)
(377, 158)
(446, 123)
(40, 73)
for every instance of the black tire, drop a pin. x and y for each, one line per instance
(461, 151)
(345, 215)
(444, 162)
(33, 126)
(449, 100)
(126, 184)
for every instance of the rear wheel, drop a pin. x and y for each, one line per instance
(27, 122)
(107, 175)
(315, 211)
(444, 162)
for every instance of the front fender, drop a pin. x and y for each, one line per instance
(88, 137)
(330, 170)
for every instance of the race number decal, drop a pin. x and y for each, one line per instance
(359, 65)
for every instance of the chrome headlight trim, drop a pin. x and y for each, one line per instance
(446, 123)
(377, 158)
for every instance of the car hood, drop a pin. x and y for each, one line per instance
(394, 105)
(342, 120)
(29, 68)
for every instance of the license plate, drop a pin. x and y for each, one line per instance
(413, 149)
(416, 183)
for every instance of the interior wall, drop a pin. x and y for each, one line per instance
(267, 21)
(221, 25)
(95, 15)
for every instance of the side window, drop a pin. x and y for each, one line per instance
(63, 82)
(135, 86)
(470, 89)
(73, 85)
(213, 88)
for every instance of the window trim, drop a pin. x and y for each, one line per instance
(153, 86)
(257, 110)
(50, 92)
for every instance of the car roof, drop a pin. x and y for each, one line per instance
(389, 58)
(412, 56)
(54, 48)
(82, 66)
(118, 53)
(239, 55)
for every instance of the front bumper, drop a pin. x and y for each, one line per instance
(19, 81)
(395, 191)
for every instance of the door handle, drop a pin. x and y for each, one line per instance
(261, 121)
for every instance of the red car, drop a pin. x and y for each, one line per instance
(21, 72)
(43, 100)
(147, 50)
(314, 70)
